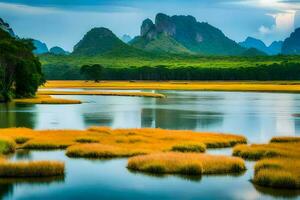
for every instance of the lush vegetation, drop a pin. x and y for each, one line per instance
(186, 164)
(279, 162)
(173, 67)
(20, 70)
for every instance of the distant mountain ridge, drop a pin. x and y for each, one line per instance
(58, 51)
(126, 38)
(41, 47)
(185, 34)
(291, 45)
(273, 49)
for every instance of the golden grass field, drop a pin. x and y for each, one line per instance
(278, 86)
(279, 162)
(46, 99)
(144, 140)
(101, 142)
(103, 93)
(186, 164)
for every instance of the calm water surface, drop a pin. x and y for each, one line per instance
(258, 116)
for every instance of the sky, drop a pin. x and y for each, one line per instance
(64, 22)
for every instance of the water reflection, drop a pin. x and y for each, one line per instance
(12, 115)
(259, 116)
(109, 179)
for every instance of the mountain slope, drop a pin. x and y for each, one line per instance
(291, 45)
(194, 36)
(5, 26)
(40, 47)
(99, 41)
(161, 44)
(58, 51)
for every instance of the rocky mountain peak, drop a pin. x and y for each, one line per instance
(5, 26)
(147, 25)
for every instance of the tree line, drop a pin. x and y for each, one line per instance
(20, 70)
(96, 72)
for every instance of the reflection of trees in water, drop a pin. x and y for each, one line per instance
(7, 184)
(12, 115)
(180, 119)
(98, 119)
(278, 193)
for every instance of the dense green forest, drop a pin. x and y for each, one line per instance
(175, 67)
(20, 70)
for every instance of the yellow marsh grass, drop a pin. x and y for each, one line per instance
(285, 139)
(31, 169)
(100, 151)
(171, 85)
(46, 99)
(279, 173)
(103, 93)
(197, 148)
(259, 151)
(280, 164)
(186, 164)
(136, 140)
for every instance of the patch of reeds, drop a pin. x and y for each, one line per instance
(46, 99)
(31, 169)
(100, 151)
(103, 93)
(186, 164)
(285, 139)
(278, 165)
(191, 85)
(197, 148)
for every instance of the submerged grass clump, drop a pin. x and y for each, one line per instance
(31, 169)
(100, 151)
(278, 165)
(199, 148)
(186, 164)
